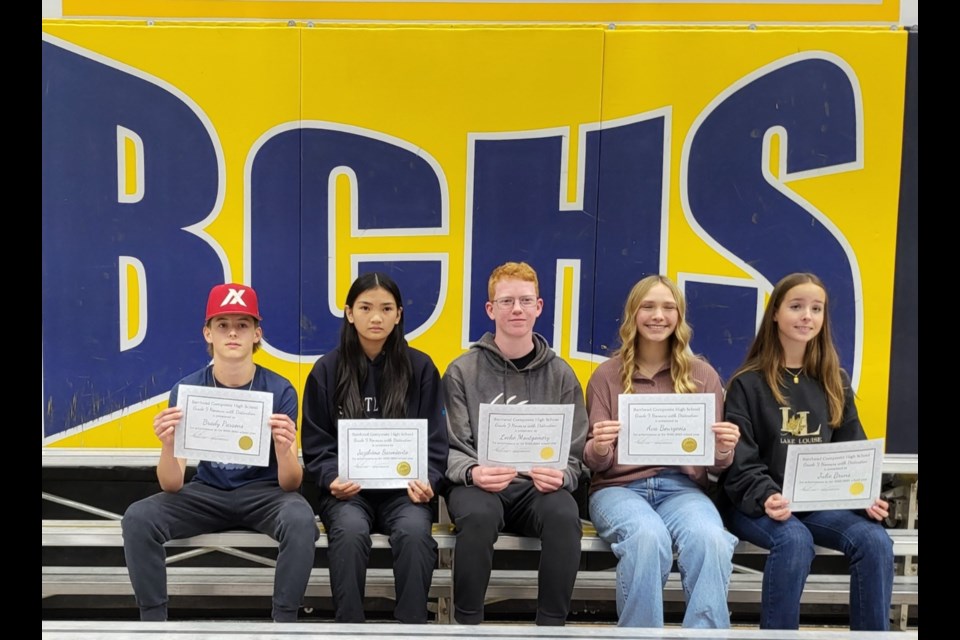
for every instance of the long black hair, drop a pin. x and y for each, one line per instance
(352, 367)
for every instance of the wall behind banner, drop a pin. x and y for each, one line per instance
(176, 156)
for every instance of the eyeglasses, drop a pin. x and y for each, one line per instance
(525, 301)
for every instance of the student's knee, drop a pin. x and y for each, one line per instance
(873, 543)
(414, 528)
(712, 541)
(648, 539)
(793, 544)
(558, 510)
(478, 526)
(298, 520)
(346, 524)
(139, 521)
(476, 513)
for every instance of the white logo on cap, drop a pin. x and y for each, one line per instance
(234, 296)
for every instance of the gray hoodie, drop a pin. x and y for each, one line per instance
(484, 375)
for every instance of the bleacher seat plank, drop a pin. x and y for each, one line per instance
(246, 630)
(106, 533)
(522, 584)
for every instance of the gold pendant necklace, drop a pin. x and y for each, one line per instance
(795, 374)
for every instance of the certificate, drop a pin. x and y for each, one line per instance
(834, 475)
(224, 425)
(382, 454)
(666, 429)
(523, 436)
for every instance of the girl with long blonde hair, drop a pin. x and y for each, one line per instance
(646, 512)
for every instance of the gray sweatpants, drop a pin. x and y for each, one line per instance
(198, 508)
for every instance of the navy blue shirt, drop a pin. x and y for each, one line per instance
(229, 475)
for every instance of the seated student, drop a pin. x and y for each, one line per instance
(513, 365)
(374, 374)
(791, 390)
(646, 512)
(222, 496)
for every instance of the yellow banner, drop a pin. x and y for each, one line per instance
(720, 156)
(684, 11)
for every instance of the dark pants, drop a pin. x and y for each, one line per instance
(520, 508)
(349, 524)
(198, 508)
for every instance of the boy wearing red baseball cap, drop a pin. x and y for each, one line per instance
(223, 496)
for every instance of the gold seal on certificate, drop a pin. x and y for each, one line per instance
(382, 454)
(524, 436)
(224, 425)
(833, 475)
(666, 429)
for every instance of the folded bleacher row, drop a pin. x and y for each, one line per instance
(72, 568)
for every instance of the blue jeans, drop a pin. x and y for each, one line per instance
(863, 541)
(643, 522)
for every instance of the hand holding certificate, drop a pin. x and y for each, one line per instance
(524, 436)
(382, 454)
(666, 429)
(834, 475)
(224, 425)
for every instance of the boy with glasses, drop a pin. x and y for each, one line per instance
(513, 365)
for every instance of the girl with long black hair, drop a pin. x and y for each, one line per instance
(374, 373)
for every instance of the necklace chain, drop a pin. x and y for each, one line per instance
(794, 374)
(218, 386)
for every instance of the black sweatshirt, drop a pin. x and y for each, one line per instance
(767, 429)
(320, 415)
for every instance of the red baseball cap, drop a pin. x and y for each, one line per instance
(232, 298)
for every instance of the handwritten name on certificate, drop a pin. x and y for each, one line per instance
(523, 436)
(382, 454)
(224, 425)
(833, 475)
(666, 429)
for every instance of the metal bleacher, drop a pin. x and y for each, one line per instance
(257, 580)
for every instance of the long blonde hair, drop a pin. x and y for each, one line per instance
(681, 357)
(820, 359)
